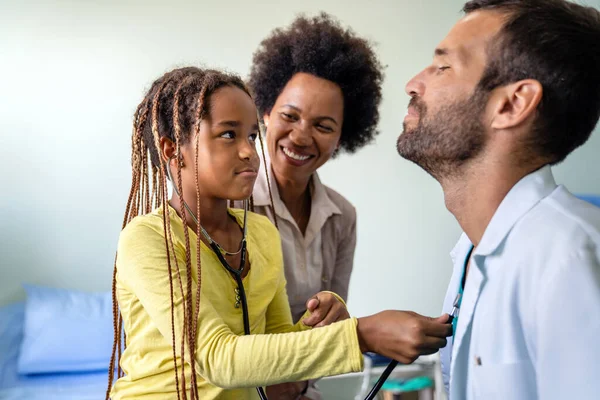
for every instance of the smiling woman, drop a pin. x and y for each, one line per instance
(317, 87)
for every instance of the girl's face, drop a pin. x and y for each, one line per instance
(304, 126)
(227, 159)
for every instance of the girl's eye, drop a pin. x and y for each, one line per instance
(253, 137)
(228, 135)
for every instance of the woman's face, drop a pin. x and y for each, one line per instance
(304, 126)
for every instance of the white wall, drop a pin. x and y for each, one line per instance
(73, 71)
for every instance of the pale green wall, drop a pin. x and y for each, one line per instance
(72, 73)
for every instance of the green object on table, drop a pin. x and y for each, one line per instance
(409, 385)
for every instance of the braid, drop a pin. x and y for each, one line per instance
(188, 257)
(137, 167)
(169, 239)
(119, 346)
(154, 199)
(146, 172)
(166, 223)
(199, 115)
(134, 172)
(262, 148)
(139, 120)
(111, 365)
(173, 108)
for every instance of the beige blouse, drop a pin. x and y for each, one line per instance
(322, 259)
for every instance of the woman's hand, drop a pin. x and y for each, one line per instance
(325, 309)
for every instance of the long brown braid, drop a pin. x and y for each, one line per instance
(173, 108)
(266, 169)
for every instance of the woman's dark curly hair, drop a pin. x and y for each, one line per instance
(321, 47)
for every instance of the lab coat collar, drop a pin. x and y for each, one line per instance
(519, 200)
(461, 248)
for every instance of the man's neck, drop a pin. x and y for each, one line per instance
(474, 194)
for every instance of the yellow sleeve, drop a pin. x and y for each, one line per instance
(223, 358)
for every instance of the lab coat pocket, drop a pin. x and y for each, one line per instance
(515, 381)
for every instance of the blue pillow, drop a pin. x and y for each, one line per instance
(11, 336)
(595, 200)
(65, 331)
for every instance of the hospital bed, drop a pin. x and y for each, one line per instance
(52, 386)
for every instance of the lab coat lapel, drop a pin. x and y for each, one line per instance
(457, 256)
(473, 288)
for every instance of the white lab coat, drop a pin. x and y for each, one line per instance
(529, 323)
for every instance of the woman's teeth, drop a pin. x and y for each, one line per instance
(293, 155)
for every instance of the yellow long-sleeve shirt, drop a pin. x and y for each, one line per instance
(229, 364)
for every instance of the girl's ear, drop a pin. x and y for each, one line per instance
(168, 150)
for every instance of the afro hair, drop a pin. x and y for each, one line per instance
(321, 47)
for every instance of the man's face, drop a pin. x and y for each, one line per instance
(445, 124)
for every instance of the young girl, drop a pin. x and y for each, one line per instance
(181, 308)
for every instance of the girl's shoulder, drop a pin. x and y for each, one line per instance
(147, 227)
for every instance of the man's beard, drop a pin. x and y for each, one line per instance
(443, 142)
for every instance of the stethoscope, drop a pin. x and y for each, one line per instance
(241, 293)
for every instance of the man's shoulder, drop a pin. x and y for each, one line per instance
(558, 229)
(562, 219)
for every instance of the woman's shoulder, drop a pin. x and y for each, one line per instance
(347, 209)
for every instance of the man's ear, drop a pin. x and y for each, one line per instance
(515, 103)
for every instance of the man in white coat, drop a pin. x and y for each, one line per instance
(513, 89)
